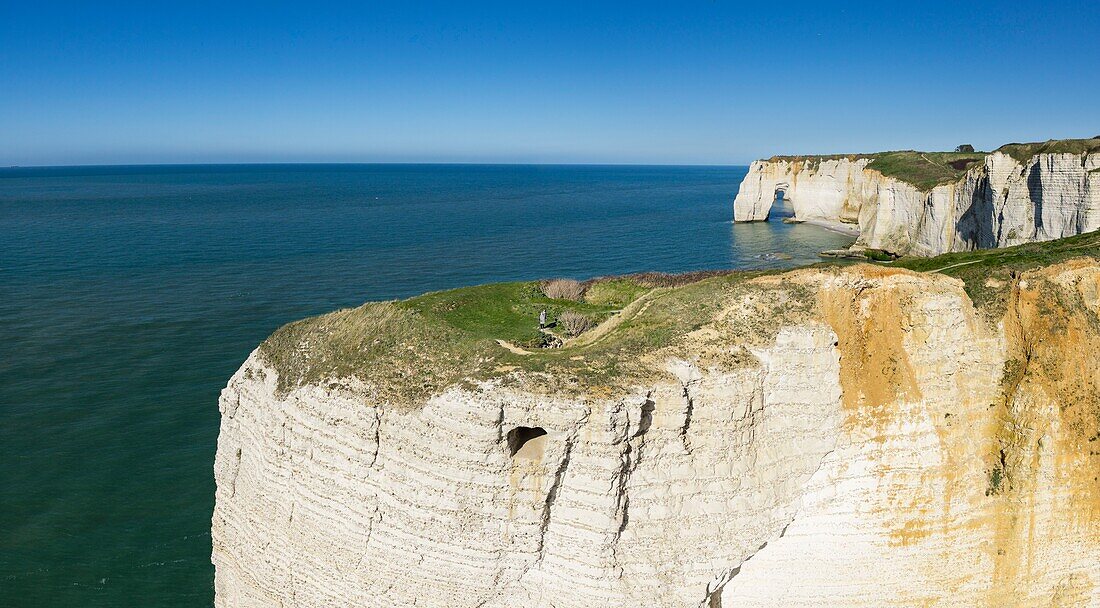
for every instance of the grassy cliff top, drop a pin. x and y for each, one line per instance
(409, 349)
(926, 170)
(413, 348)
(985, 270)
(1024, 152)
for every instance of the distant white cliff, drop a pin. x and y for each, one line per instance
(998, 201)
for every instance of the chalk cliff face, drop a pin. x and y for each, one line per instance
(881, 443)
(998, 203)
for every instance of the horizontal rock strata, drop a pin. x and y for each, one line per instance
(893, 446)
(997, 203)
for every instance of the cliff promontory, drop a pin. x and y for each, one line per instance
(926, 203)
(920, 434)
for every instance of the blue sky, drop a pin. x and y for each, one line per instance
(665, 82)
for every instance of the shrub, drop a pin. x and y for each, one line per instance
(544, 340)
(574, 323)
(963, 163)
(664, 279)
(879, 255)
(563, 289)
(996, 482)
(967, 148)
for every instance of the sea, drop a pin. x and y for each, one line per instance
(130, 294)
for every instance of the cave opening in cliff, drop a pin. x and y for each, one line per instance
(527, 442)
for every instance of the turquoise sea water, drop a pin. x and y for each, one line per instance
(129, 295)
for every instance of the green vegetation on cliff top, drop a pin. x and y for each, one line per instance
(412, 348)
(926, 170)
(986, 272)
(1024, 152)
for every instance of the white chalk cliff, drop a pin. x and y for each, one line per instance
(996, 203)
(881, 443)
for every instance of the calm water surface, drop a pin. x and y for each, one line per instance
(129, 295)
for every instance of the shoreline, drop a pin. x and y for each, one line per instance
(851, 230)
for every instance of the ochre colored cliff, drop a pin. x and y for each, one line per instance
(834, 436)
(927, 204)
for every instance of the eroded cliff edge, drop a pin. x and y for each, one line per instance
(828, 436)
(931, 203)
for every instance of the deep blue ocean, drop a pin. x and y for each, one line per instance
(129, 295)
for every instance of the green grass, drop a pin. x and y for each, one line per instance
(504, 311)
(399, 351)
(878, 255)
(614, 292)
(1024, 152)
(926, 170)
(984, 270)
(414, 348)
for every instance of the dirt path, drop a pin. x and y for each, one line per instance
(635, 308)
(954, 266)
(1085, 246)
(513, 348)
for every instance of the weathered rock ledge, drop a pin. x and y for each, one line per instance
(933, 204)
(855, 436)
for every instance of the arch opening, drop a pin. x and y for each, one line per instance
(527, 442)
(781, 205)
(781, 190)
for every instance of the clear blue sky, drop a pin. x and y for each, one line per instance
(663, 82)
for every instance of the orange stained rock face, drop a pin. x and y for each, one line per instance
(1040, 433)
(1054, 334)
(875, 371)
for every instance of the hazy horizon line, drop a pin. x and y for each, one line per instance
(354, 163)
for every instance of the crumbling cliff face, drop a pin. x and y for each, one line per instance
(880, 441)
(997, 203)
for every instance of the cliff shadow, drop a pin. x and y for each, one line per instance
(1035, 194)
(975, 225)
